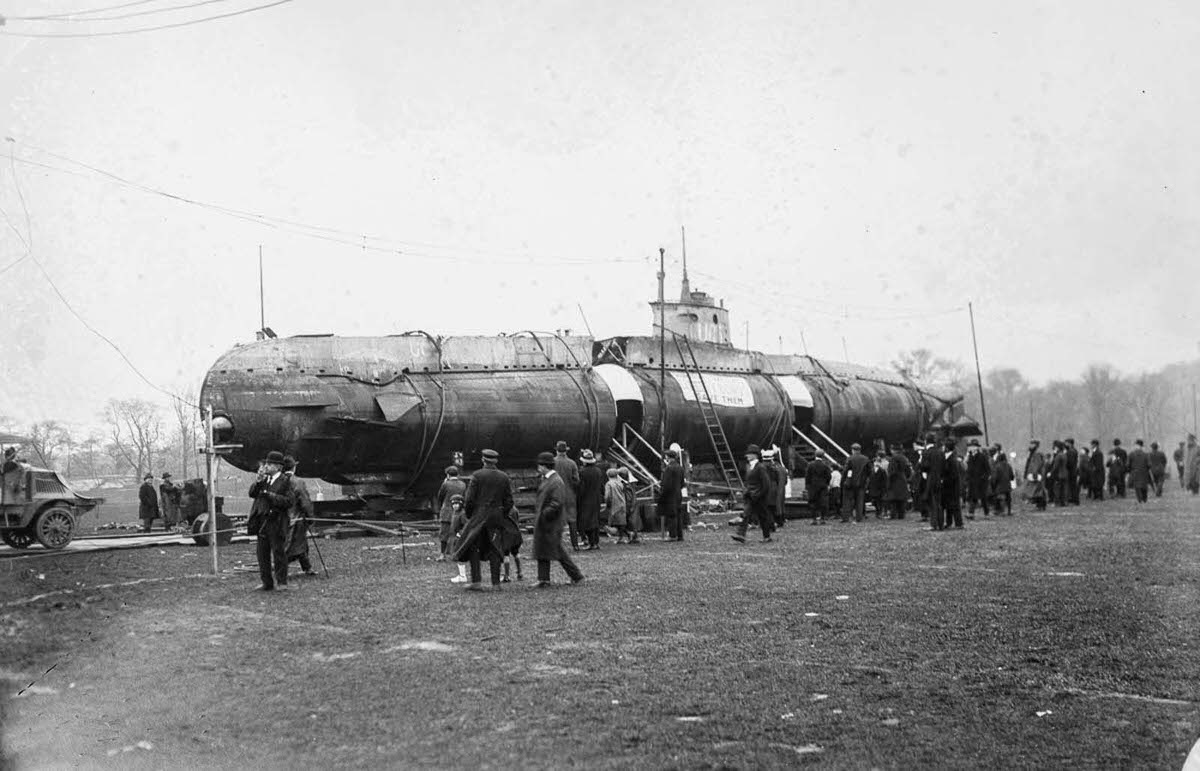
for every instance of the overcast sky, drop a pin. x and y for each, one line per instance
(858, 171)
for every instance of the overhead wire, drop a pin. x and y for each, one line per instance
(73, 17)
(67, 303)
(55, 16)
(175, 25)
(356, 240)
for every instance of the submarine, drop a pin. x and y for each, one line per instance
(382, 416)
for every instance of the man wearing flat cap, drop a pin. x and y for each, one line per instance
(670, 496)
(147, 503)
(568, 471)
(270, 519)
(549, 519)
(856, 472)
(489, 533)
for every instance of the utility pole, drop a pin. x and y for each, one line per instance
(1194, 431)
(209, 454)
(978, 375)
(1031, 417)
(662, 357)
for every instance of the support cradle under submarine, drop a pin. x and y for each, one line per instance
(382, 416)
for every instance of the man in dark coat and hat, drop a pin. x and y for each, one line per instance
(979, 476)
(269, 520)
(589, 499)
(489, 533)
(760, 483)
(931, 468)
(147, 503)
(899, 473)
(568, 471)
(1072, 472)
(1158, 469)
(1118, 465)
(548, 524)
(951, 485)
(670, 496)
(169, 495)
(856, 473)
(298, 519)
(1096, 471)
(1139, 472)
(1034, 488)
(817, 478)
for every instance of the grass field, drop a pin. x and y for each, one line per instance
(1063, 639)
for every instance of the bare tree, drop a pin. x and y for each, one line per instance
(1102, 386)
(186, 421)
(921, 364)
(47, 438)
(86, 455)
(135, 429)
(1148, 398)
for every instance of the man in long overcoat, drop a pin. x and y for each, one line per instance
(548, 524)
(817, 478)
(1118, 466)
(1139, 472)
(147, 503)
(298, 519)
(856, 473)
(931, 468)
(589, 499)
(568, 471)
(1096, 472)
(489, 533)
(759, 486)
(899, 473)
(1158, 469)
(670, 496)
(951, 491)
(1191, 465)
(273, 501)
(169, 496)
(1034, 488)
(1072, 472)
(979, 474)
(1057, 474)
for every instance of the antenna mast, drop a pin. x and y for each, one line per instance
(262, 311)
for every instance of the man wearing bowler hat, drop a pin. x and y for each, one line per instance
(568, 471)
(489, 533)
(548, 524)
(147, 503)
(760, 483)
(274, 498)
(670, 496)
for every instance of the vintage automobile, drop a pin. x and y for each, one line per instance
(37, 505)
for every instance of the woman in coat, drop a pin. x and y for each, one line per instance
(1034, 487)
(590, 499)
(614, 504)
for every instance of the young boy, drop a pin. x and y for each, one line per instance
(513, 556)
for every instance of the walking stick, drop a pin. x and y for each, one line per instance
(318, 548)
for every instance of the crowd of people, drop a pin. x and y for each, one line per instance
(478, 521)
